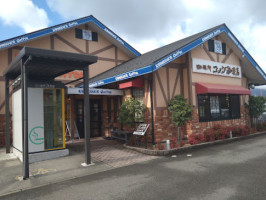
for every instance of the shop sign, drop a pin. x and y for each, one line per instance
(94, 91)
(215, 68)
(141, 130)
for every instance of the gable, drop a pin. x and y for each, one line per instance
(251, 69)
(92, 21)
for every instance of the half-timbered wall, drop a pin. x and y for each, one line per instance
(203, 53)
(108, 56)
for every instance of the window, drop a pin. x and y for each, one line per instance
(211, 47)
(218, 107)
(138, 94)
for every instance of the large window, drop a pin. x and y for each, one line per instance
(218, 107)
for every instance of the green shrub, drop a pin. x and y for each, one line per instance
(131, 111)
(180, 109)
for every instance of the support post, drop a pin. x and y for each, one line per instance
(86, 115)
(7, 130)
(25, 120)
(152, 121)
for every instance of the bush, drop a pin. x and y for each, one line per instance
(180, 109)
(173, 143)
(196, 138)
(160, 146)
(182, 143)
(219, 132)
(131, 111)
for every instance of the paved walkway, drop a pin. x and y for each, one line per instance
(106, 155)
(111, 152)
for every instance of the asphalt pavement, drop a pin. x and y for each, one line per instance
(225, 171)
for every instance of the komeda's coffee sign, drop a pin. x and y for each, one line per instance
(215, 68)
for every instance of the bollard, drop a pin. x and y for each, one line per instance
(168, 144)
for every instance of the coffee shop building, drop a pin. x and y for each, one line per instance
(211, 69)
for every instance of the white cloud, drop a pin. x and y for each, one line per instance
(152, 23)
(24, 14)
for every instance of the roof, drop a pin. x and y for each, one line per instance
(46, 64)
(153, 60)
(90, 20)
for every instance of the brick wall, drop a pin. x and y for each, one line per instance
(194, 126)
(2, 130)
(165, 129)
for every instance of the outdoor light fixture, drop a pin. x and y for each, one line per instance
(251, 86)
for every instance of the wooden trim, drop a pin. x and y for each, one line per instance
(172, 65)
(9, 52)
(116, 56)
(161, 87)
(101, 50)
(161, 108)
(207, 52)
(4, 102)
(182, 80)
(110, 59)
(217, 57)
(168, 83)
(227, 56)
(2, 78)
(86, 41)
(17, 47)
(154, 89)
(176, 80)
(52, 42)
(69, 44)
(146, 92)
(189, 58)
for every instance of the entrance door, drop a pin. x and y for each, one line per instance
(95, 117)
(80, 117)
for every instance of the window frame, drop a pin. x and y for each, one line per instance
(207, 107)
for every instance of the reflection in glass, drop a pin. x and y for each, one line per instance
(53, 131)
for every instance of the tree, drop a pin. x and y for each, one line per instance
(256, 106)
(131, 111)
(181, 111)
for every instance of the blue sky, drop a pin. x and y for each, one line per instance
(146, 25)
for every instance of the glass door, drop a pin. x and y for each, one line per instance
(53, 119)
(95, 115)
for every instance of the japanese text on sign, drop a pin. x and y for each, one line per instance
(215, 68)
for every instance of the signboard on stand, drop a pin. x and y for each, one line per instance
(141, 130)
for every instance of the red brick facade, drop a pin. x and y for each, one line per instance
(194, 126)
(165, 129)
(2, 130)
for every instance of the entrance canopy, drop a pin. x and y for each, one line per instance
(45, 65)
(205, 88)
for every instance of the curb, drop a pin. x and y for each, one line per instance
(192, 147)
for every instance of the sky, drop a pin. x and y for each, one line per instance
(145, 25)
